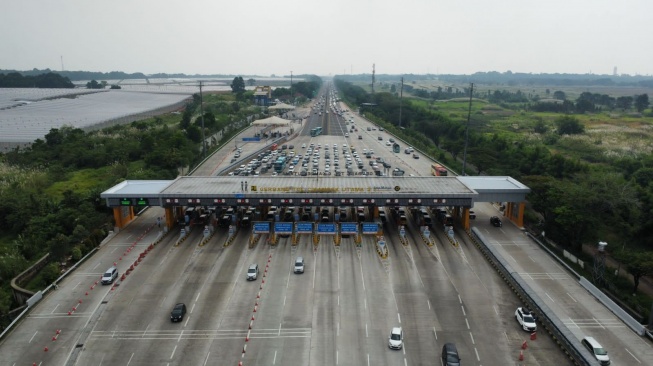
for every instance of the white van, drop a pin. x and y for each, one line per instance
(109, 276)
(299, 265)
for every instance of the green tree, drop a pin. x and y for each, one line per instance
(624, 103)
(641, 102)
(560, 95)
(238, 85)
(540, 127)
(93, 84)
(637, 263)
(251, 82)
(568, 125)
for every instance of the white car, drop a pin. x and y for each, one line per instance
(525, 319)
(396, 339)
(303, 146)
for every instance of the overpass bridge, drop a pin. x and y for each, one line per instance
(458, 193)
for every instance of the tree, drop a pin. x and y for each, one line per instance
(93, 84)
(638, 264)
(560, 95)
(624, 102)
(251, 82)
(238, 85)
(568, 125)
(641, 102)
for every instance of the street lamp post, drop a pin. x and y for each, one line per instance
(202, 119)
(291, 98)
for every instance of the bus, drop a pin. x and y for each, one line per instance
(438, 170)
(396, 148)
(280, 164)
(316, 131)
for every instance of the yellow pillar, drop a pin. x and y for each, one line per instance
(123, 215)
(466, 218)
(376, 211)
(170, 217)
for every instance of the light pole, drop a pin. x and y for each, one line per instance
(202, 119)
(291, 98)
(469, 115)
(401, 98)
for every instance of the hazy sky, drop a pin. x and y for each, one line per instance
(256, 37)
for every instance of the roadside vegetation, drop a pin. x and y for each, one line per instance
(587, 161)
(50, 193)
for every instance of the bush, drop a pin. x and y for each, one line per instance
(76, 254)
(50, 273)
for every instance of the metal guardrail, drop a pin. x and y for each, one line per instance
(631, 322)
(565, 338)
(39, 295)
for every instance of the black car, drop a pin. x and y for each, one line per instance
(495, 221)
(178, 312)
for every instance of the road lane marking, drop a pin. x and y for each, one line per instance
(435, 333)
(55, 308)
(191, 309)
(405, 362)
(180, 334)
(145, 331)
(571, 297)
(206, 360)
(366, 334)
(78, 283)
(97, 265)
(336, 357)
(472, 337)
(495, 309)
(399, 318)
(633, 356)
(279, 334)
(467, 322)
(365, 303)
(598, 322)
(284, 300)
(362, 276)
(477, 358)
(506, 335)
(463, 309)
(173, 352)
(547, 295)
(274, 360)
(532, 259)
(429, 304)
(460, 299)
(198, 296)
(30, 340)
(338, 300)
(130, 359)
(368, 359)
(511, 257)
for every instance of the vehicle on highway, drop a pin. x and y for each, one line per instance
(599, 352)
(495, 221)
(525, 319)
(472, 215)
(110, 275)
(380, 138)
(450, 355)
(396, 339)
(178, 312)
(415, 156)
(252, 272)
(299, 265)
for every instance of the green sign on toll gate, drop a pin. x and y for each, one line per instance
(125, 202)
(142, 202)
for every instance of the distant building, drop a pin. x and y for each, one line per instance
(262, 95)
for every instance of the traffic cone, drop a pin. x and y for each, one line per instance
(45, 349)
(521, 355)
(533, 336)
(54, 338)
(80, 301)
(58, 331)
(524, 345)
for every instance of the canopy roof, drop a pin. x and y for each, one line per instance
(280, 106)
(272, 121)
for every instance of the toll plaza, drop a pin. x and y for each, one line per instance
(455, 193)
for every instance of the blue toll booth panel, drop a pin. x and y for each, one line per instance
(328, 228)
(304, 227)
(261, 227)
(370, 228)
(349, 228)
(283, 227)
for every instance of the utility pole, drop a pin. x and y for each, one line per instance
(202, 119)
(401, 97)
(291, 98)
(469, 115)
(373, 76)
